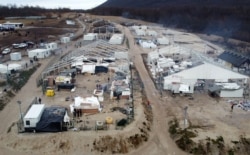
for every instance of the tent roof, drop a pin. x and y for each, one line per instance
(39, 50)
(208, 71)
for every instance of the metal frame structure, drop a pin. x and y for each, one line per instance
(97, 49)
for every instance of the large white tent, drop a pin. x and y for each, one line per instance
(168, 51)
(203, 71)
(210, 71)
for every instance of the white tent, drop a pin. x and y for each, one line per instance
(4, 68)
(70, 22)
(88, 68)
(203, 71)
(14, 67)
(65, 39)
(162, 41)
(116, 39)
(230, 90)
(147, 44)
(152, 56)
(15, 56)
(90, 36)
(209, 71)
(165, 62)
(76, 63)
(135, 27)
(151, 33)
(144, 27)
(87, 103)
(140, 32)
(39, 53)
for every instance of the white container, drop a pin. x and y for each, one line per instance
(33, 116)
(15, 56)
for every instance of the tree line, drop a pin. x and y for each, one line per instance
(229, 22)
(14, 11)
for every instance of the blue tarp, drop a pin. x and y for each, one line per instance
(51, 120)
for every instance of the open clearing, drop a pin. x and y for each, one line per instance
(212, 118)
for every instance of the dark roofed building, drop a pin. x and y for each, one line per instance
(236, 60)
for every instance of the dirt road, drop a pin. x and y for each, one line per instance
(160, 141)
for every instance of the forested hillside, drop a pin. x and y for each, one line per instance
(227, 18)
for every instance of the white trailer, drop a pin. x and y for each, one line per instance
(33, 116)
(39, 53)
(51, 46)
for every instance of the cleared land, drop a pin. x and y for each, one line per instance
(148, 134)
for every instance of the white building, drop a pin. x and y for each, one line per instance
(90, 36)
(147, 44)
(65, 39)
(117, 39)
(227, 90)
(163, 41)
(140, 32)
(7, 68)
(39, 53)
(86, 105)
(151, 33)
(13, 25)
(15, 56)
(70, 22)
(174, 51)
(88, 68)
(204, 71)
(51, 46)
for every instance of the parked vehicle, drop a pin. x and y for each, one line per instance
(6, 51)
(21, 45)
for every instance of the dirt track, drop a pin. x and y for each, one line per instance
(160, 141)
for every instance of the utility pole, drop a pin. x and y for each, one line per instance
(7, 75)
(185, 116)
(21, 115)
(132, 91)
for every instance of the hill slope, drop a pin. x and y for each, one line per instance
(176, 3)
(227, 18)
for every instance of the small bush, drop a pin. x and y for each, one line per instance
(173, 128)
